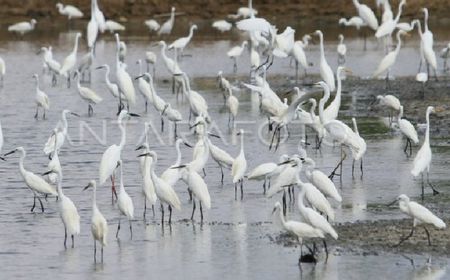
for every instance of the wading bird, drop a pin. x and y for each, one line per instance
(124, 203)
(408, 130)
(23, 27)
(239, 167)
(421, 216)
(41, 99)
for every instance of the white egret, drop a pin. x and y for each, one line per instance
(388, 26)
(92, 28)
(144, 87)
(318, 201)
(70, 61)
(41, 99)
(391, 102)
(236, 52)
(112, 155)
(113, 26)
(87, 95)
(198, 188)
(366, 14)
(358, 154)
(165, 193)
(408, 130)
(124, 80)
(150, 58)
(387, 12)
(422, 161)
(336, 130)
(224, 85)
(171, 65)
(427, 38)
(332, 110)
(223, 159)
(325, 70)
(181, 43)
(299, 229)
(388, 61)
(85, 64)
(421, 216)
(313, 218)
(246, 12)
(34, 182)
(405, 26)
(69, 214)
(23, 27)
(61, 135)
(266, 171)
(69, 11)
(233, 106)
(320, 180)
(125, 203)
(222, 25)
(197, 104)
(54, 166)
(316, 124)
(50, 62)
(172, 115)
(166, 27)
(152, 24)
(423, 79)
(172, 175)
(113, 88)
(99, 17)
(122, 52)
(298, 52)
(356, 22)
(239, 168)
(445, 54)
(99, 226)
(341, 50)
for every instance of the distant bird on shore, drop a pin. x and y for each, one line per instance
(23, 27)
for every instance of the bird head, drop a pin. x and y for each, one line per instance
(91, 184)
(276, 207)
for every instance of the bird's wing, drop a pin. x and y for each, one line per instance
(108, 162)
(424, 215)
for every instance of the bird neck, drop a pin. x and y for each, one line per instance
(178, 153)
(122, 188)
(356, 3)
(123, 134)
(163, 52)
(322, 50)
(322, 102)
(75, 46)
(94, 198)
(191, 32)
(400, 7)
(37, 83)
(337, 98)
(107, 75)
(59, 186)
(312, 111)
(21, 160)
(399, 43)
(355, 126)
(242, 143)
(301, 196)
(400, 113)
(425, 20)
(283, 221)
(65, 125)
(419, 27)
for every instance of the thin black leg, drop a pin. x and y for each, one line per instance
(193, 209)
(406, 237)
(118, 228)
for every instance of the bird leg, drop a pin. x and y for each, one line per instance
(53, 79)
(102, 253)
(221, 170)
(405, 238)
(34, 203)
(201, 212)
(65, 237)
(406, 146)
(234, 65)
(170, 214)
(162, 214)
(235, 191)
(68, 80)
(333, 173)
(40, 202)
(431, 185)
(361, 167)
(36, 115)
(242, 189)
(326, 248)
(284, 202)
(131, 229)
(113, 190)
(353, 169)
(118, 228)
(73, 241)
(95, 251)
(193, 210)
(162, 124)
(264, 185)
(145, 206)
(43, 115)
(428, 236)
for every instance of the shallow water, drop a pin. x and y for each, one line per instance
(235, 240)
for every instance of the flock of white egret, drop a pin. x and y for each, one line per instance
(264, 44)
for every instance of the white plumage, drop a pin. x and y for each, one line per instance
(69, 11)
(419, 213)
(321, 181)
(113, 26)
(222, 25)
(23, 27)
(366, 14)
(325, 70)
(124, 202)
(407, 128)
(422, 160)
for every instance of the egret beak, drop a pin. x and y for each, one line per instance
(140, 148)
(285, 162)
(134, 115)
(392, 203)
(191, 127)
(46, 173)
(8, 153)
(145, 155)
(274, 209)
(187, 144)
(213, 135)
(2, 158)
(165, 108)
(178, 167)
(303, 159)
(87, 187)
(99, 67)
(138, 77)
(75, 114)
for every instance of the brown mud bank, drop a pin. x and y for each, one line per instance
(209, 9)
